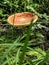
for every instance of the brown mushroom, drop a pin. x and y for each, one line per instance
(22, 19)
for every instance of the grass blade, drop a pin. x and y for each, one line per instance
(25, 45)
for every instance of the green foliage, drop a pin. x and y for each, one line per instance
(20, 47)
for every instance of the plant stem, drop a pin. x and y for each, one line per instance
(25, 44)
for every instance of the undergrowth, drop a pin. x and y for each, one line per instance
(29, 47)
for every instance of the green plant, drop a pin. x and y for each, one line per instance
(31, 47)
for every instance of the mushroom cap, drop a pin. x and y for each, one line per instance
(22, 19)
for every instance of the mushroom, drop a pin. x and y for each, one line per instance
(22, 19)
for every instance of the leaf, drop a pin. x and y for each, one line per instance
(34, 53)
(8, 50)
(38, 53)
(40, 26)
(45, 59)
(25, 44)
(17, 56)
(1, 11)
(43, 53)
